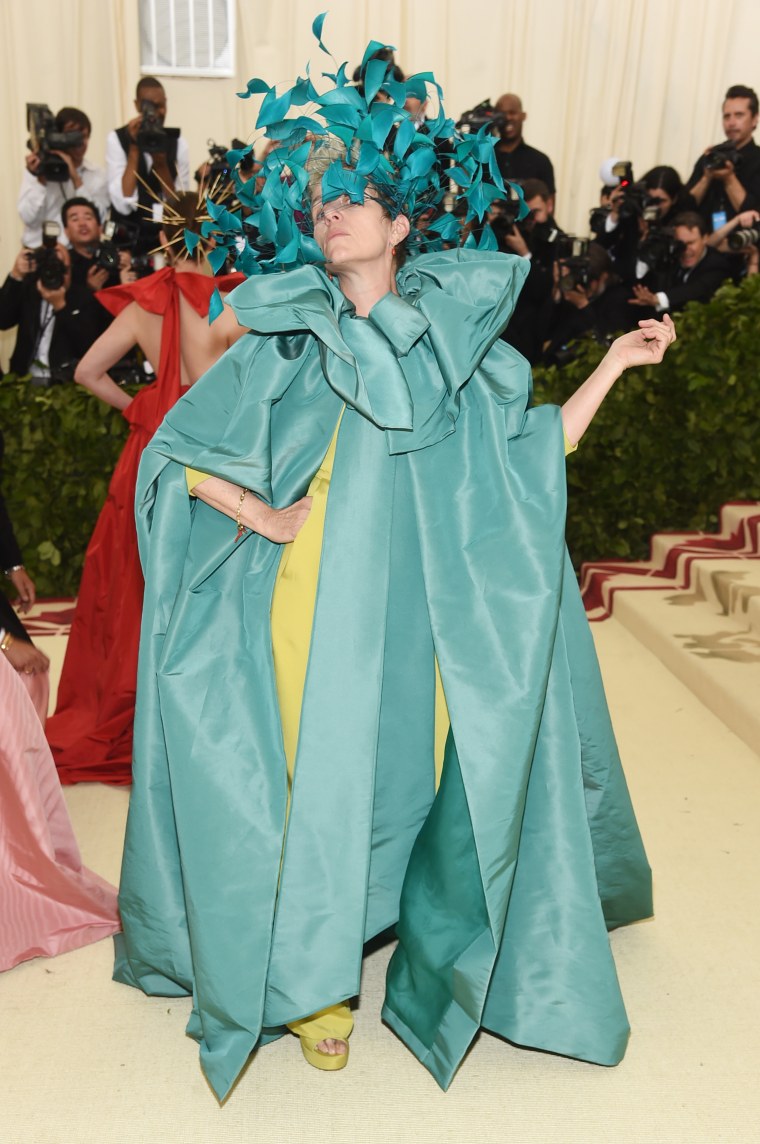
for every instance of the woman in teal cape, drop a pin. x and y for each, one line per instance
(258, 862)
(443, 539)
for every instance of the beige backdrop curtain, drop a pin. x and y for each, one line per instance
(640, 79)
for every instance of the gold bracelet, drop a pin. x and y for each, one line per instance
(241, 529)
(7, 641)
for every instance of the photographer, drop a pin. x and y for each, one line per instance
(517, 161)
(726, 179)
(632, 214)
(50, 295)
(534, 238)
(40, 197)
(695, 275)
(588, 299)
(145, 161)
(740, 237)
(95, 263)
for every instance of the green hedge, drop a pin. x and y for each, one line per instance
(669, 446)
(672, 442)
(61, 445)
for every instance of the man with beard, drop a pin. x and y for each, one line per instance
(41, 200)
(723, 187)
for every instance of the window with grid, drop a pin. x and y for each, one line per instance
(187, 37)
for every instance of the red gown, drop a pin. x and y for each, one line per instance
(90, 733)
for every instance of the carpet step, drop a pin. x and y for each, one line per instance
(673, 556)
(714, 653)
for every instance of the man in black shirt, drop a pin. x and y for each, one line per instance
(517, 161)
(721, 186)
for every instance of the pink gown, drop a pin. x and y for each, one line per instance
(49, 902)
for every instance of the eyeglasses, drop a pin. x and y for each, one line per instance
(342, 203)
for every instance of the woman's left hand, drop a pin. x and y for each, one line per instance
(645, 346)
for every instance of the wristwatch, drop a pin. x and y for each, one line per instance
(16, 568)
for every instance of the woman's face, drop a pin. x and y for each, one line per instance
(353, 234)
(663, 199)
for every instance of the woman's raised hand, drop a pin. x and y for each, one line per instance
(645, 346)
(281, 525)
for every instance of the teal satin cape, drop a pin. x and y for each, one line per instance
(444, 538)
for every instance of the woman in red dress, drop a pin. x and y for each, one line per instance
(90, 733)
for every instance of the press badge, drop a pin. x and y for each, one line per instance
(718, 220)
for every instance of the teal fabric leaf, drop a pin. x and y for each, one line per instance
(447, 226)
(383, 116)
(287, 241)
(396, 90)
(310, 249)
(487, 240)
(217, 258)
(215, 307)
(342, 115)
(373, 47)
(191, 240)
(369, 159)
(343, 95)
(345, 134)
(247, 262)
(234, 156)
(253, 87)
(404, 136)
(373, 78)
(268, 223)
(224, 218)
(339, 180)
(416, 85)
(316, 28)
(274, 107)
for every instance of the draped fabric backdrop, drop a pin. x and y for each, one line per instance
(640, 79)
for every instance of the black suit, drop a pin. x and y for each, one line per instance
(698, 284)
(75, 327)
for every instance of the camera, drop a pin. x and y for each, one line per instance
(44, 138)
(484, 114)
(126, 236)
(504, 214)
(219, 165)
(152, 136)
(597, 219)
(717, 157)
(106, 253)
(660, 249)
(743, 237)
(45, 264)
(573, 262)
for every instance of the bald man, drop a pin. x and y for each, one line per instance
(517, 161)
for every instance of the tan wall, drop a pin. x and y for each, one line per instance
(642, 79)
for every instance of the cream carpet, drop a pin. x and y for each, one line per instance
(85, 1061)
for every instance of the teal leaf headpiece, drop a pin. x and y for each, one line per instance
(363, 139)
